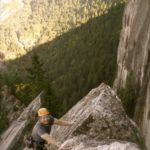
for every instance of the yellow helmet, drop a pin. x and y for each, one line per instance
(43, 112)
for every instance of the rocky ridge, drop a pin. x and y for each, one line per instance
(100, 123)
(12, 135)
(10, 107)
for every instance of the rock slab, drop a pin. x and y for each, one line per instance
(99, 123)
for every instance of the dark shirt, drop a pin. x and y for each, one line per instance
(40, 129)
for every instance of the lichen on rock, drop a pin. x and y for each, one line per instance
(99, 122)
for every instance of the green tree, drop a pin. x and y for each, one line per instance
(34, 83)
(36, 76)
(37, 81)
(1, 80)
(52, 102)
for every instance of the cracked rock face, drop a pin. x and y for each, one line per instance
(80, 143)
(100, 123)
(11, 107)
(12, 135)
(134, 59)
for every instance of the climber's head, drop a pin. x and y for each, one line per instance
(43, 114)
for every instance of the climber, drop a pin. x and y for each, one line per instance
(42, 128)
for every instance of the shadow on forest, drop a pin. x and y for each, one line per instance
(80, 59)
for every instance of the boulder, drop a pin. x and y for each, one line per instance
(99, 123)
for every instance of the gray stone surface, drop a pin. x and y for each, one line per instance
(13, 133)
(11, 107)
(134, 59)
(100, 123)
(81, 143)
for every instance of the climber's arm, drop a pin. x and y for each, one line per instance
(62, 122)
(50, 140)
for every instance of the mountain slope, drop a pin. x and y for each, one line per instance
(27, 23)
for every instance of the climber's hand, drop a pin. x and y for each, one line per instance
(58, 144)
(64, 149)
(62, 122)
(70, 124)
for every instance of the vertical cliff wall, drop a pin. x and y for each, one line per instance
(134, 60)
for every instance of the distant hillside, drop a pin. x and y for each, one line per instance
(26, 23)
